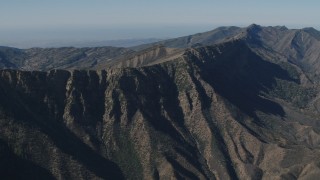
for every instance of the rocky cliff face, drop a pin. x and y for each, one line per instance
(216, 112)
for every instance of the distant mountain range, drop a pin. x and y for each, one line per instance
(231, 103)
(80, 43)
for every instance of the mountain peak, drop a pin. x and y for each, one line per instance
(281, 28)
(254, 26)
(313, 32)
(309, 28)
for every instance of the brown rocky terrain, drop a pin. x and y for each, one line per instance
(240, 109)
(44, 59)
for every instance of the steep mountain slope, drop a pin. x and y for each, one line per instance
(11, 58)
(206, 38)
(298, 46)
(146, 57)
(213, 112)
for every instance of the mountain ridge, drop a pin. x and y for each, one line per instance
(237, 109)
(273, 38)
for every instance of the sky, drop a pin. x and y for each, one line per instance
(40, 20)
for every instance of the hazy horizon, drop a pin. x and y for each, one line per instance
(38, 21)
